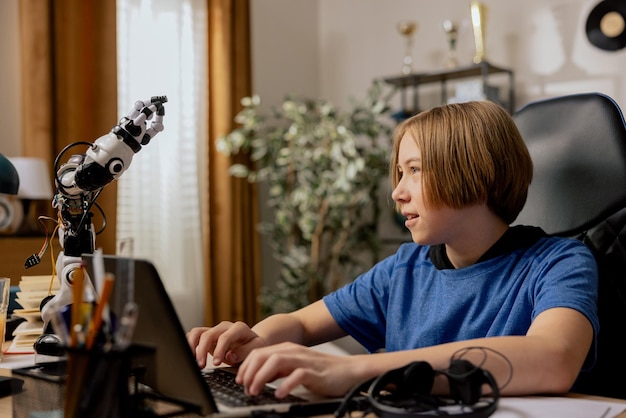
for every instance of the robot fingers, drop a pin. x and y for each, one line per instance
(135, 124)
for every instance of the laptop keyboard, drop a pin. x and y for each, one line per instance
(227, 392)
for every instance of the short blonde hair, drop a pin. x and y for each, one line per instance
(472, 153)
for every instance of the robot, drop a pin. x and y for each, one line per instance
(79, 181)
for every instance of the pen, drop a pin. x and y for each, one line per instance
(105, 294)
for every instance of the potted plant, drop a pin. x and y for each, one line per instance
(322, 167)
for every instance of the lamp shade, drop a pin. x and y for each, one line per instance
(9, 179)
(34, 178)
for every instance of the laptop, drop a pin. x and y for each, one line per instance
(174, 373)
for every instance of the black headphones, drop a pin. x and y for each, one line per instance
(405, 392)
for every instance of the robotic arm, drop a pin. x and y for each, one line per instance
(79, 182)
(111, 154)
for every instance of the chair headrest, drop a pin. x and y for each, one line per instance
(578, 147)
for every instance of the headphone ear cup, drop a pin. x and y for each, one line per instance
(419, 378)
(465, 381)
(402, 392)
(414, 378)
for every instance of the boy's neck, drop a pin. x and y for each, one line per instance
(481, 231)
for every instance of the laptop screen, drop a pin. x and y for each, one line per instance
(173, 372)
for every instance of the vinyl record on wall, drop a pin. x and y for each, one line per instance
(606, 25)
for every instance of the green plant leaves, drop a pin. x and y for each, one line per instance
(323, 167)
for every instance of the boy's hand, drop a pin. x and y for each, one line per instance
(322, 373)
(227, 342)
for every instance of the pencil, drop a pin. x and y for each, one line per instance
(96, 322)
(78, 283)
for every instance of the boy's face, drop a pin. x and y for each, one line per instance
(428, 225)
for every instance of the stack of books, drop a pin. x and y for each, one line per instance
(33, 289)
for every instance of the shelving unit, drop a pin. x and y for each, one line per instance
(483, 70)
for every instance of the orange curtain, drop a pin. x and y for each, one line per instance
(232, 250)
(69, 89)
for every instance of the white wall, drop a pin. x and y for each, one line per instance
(543, 41)
(285, 44)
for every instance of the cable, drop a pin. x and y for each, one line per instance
(35, 259)
(458, 355)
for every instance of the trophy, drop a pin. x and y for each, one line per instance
(451, 31)
(478, 13)
(407, 28)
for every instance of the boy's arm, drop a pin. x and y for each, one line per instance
(308, 326)
(232, 342)
(545, 360)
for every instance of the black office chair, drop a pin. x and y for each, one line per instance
(578, 146)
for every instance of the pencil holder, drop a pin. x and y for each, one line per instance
(86, 383)
(97, 384)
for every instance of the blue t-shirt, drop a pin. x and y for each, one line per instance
(405, 302)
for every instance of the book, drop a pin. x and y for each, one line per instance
(32, 290)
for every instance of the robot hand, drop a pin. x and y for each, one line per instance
(111, 154)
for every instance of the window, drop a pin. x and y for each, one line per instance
(162, 50)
